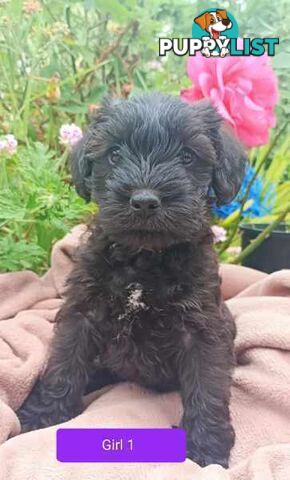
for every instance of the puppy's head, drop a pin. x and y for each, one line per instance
(150, 162)
(214, 22)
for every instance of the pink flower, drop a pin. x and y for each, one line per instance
(219, 233)
(243, 89)
(70, 134)
(8, 144)
(31, 6)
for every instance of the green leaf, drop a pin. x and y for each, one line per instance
(96, 94)
(74, 108)
(89, 4)
(115, 8)
(275, 172)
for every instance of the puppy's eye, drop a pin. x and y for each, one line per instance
(187, 156)
(114, 155)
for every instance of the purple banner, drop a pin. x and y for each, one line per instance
(121, 445)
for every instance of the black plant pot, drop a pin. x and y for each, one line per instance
(273, 253)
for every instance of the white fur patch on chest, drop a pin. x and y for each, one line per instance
(134, 302)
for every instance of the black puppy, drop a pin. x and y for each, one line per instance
(143, 302)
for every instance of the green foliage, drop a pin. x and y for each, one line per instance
(271, 163)
(20, 255)
(37, 207)
(275, 174)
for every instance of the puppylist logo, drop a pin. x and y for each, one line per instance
(215, 34)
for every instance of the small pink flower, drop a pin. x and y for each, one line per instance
(70, 134)
(219, 233)
(31, 6)
(8, 144)
(11, 146)
(243, 89)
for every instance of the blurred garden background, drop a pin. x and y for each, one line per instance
(57, 61)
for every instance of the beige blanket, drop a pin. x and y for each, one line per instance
(260, 395)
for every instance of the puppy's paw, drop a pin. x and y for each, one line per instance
(203, 460)
(35, 420)
(212, 449)
(41, 410)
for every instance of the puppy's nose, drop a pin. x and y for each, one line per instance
(226, 22)
(145, 201)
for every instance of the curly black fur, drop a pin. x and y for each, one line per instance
(143, 302)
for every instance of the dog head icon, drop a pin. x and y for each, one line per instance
(214, 22)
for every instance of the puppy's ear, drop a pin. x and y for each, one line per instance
(81, 169)
(222, 13)
(87, 150)
(203, 20)
(228, 156)
(230, 169)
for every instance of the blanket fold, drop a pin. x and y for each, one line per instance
(260, 403)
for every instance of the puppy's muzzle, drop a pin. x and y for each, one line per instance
(145, 202)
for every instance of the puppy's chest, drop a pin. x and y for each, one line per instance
(149, 281)
(143, 338)
(146, 298)
(134, 302)
(137, 313)
(147, 305)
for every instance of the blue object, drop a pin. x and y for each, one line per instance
(262, 204)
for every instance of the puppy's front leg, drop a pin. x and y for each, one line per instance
(57, 396)
(205, 387)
